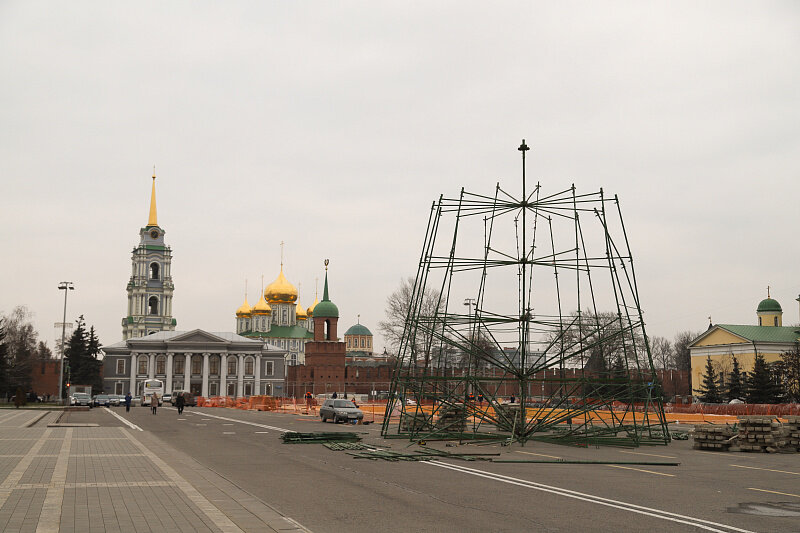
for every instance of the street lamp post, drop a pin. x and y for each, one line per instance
(65, 286)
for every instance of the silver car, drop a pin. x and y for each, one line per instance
(340, 411)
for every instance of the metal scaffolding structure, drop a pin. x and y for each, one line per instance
(552, 346)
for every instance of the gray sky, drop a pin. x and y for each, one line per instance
(332, 126)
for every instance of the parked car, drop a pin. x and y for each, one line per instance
(80, 398)
(167, 397)
(115, 400)
(340, 411)
(101, 400)
(189, 398)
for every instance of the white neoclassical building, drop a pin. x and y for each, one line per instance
(204, 363)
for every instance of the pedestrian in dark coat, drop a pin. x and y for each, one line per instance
(128, 399)
(180, 401)
(154, 402)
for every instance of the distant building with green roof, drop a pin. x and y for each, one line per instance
(359, 340)
(723, 342)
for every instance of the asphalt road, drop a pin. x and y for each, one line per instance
(329, 491)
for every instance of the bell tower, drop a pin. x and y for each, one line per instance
(150, 287)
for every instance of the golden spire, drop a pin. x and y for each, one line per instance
(153, 220)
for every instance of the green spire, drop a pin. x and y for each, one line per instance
(325, 297)
(326, 308)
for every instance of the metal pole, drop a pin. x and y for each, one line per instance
(65, 286)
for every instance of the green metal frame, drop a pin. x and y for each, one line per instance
(556, 322)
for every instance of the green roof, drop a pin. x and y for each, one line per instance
(326, 309)
(769, 305)
(281, 332)
(764, 333)
(358, 329)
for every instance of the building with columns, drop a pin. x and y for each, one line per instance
(150, 286)
(204, 363)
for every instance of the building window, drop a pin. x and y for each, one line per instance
(161, 364)
(269, 368)
(231, 366)
(776, 320)
(179, 363)
(248, 389)
(349, 343)
(294, 359)
(362, 342)
(153, 270)
(248, 368)
(153, 304)
(118, 388)
(213, 389)
(197, 364)
(268, 389)
(120, 366)
(231, 389)
(213, 365)
(142, 364)
(759, 321)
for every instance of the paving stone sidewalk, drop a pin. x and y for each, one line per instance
(98, 479)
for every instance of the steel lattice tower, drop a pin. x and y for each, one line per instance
(553, 322)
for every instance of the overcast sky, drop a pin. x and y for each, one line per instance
(332, 126)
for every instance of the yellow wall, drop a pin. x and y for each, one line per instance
(725, 363)
(768, 319)
(721, 336)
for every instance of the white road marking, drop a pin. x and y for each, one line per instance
(127, 423)
(775, 492)
(649, 454)
(265, 426)
(639, 509)
(262, 431)
(642, 470)
(229, 433)
(539, 454)
(768, 470)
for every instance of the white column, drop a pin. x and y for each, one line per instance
(187, 372)
(204, 391)
(151, 368)
(133, 373)
(168, 385)
(223, 374)
(240, 378)
(257, 382)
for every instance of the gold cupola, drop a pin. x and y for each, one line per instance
(311, 308)
(301, 313)
(281, 291)
(244, 310)
(261, 308)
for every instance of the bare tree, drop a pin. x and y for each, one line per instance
(683, 358)
(662, 352)
(398, 305)
(20, 342)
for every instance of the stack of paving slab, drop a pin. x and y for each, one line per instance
(792, 428)
(452, 419)
(416, 421)
(763, 434)
(711, 437)
(508, 414)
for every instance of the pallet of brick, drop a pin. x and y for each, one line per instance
(713, 438)
(452, 419)
(761, 434)
(508, 415)
(414, 422)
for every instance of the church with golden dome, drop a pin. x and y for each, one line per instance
(278, 319)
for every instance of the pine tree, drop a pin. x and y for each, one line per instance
(791, 374)
(761, 388)
(735, 389)
(709, 390)
(3, 358)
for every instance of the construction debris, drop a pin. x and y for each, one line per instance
(293, 437)
(764, 434)
(716, 438)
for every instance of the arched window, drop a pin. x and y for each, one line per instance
(153, 304)
(248, 367)
(179, 364)
(197, 364)
(231, 365)
(161, 364)
(327, 330)
(213, 365)
(154, 270)
(776, 320)
(143, 364)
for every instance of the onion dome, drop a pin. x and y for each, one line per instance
(244, 310)
(301, 313)
(769, 305)
(358, 329)
(261, 308)
(280, 291)
(326, 308)
(311, 309)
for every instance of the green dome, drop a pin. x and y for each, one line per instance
(358, 329)
(326, 309)
(768, 305)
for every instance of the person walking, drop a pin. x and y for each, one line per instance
(180, 401)
(128, 399)
(154, 402)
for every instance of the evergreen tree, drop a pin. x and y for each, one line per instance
(20, 344)
(736, 386)
(620, 376)
(82, 355)
(709, 390)
(761, 388)
(791, 374)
